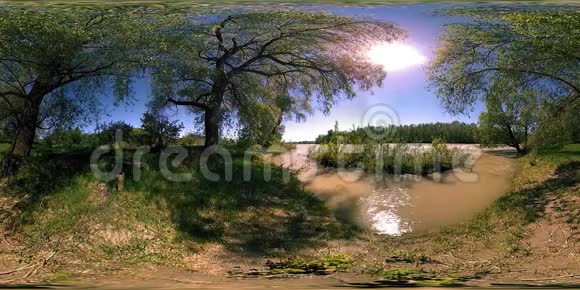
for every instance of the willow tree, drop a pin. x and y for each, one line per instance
(57, 57)
(538, 50)
(257, 68)
(511, 115)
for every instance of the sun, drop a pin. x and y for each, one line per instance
(395, 56)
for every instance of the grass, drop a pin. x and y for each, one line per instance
(97, 227)
(411, 277)
(544, 191)
(543, 177)
(157, 221)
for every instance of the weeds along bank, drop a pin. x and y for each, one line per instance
(531, 235)
(156, 221)
(546, 188)
(70, 222)
(399, 158)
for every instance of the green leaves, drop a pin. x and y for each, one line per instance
(515, 61)
(537, 48)
(260, 66)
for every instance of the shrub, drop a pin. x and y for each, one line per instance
(398, 158)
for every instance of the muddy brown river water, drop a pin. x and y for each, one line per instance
(394, 205)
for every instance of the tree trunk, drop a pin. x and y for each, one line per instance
(513, 139)
(212, 113)
(212, 125)
(526, 135)
(25, 133)
(518, 147)
(22, 143)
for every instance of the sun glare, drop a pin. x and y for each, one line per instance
(395, 56)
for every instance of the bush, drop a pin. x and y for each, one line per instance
(327, 264)
(392, 158)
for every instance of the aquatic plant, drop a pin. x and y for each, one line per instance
(395, 158)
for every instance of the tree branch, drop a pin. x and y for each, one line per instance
(194, 103)
(571, 85)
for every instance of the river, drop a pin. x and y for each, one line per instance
(393, 205)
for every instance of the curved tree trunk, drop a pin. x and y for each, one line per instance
(514, 140)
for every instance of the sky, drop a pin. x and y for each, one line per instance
(403, 98)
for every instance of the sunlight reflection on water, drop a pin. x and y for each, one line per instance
(397, 205)
(381, 209)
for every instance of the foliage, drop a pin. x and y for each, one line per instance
(158, 129)
(64, 137)
(408, 257)
(509, 58)
(324, 265)
(510, 116)
(410, 277)
(253, 69)
(4, 147)
(4, 136)
(454, 132)
(398, 158)
(263, 128)
(109, 132)
(556, 127)
(191, 139)
(533, 48)
(54, 62)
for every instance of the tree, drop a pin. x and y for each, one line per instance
(68, 137)
(556, 131)
(108, 132)
(277, 62)
(454, 132)
(535, 50)
(51, 57)
(260, 124)
(510, 116)
(158, 129)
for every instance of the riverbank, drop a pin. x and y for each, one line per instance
(528, 236)
(530, 233)
(397, 204)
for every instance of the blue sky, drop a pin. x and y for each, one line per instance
(405, 92)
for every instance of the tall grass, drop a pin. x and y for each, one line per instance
(397, 158)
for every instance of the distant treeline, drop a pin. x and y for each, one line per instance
(153, 132)
(455, 132)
